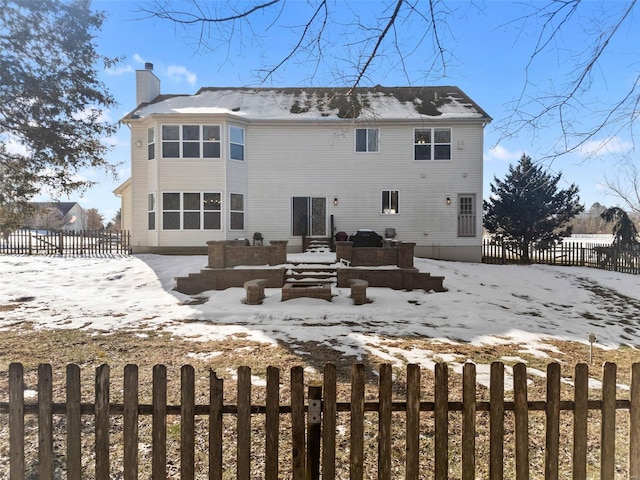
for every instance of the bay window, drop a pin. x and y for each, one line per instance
(191, 141)
(236, 143)
(236, 211)
(191, 211)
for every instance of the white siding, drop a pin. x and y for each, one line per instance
(318, 159)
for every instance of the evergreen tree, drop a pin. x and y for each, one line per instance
(625, 231)
(527, 207)
(51, 101)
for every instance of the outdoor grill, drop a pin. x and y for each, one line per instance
(366, 238)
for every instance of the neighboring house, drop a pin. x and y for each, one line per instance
(67, 216)
(286, 162)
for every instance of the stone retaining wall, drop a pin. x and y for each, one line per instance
(397, 279)
(391, 253)
(232, 253)
(221, 279)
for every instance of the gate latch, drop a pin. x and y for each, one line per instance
(315, 411)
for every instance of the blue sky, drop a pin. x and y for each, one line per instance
(487, 52)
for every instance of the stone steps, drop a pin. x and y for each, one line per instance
(312, 274)
(317, 245)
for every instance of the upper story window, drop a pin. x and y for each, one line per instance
(151, 143)
(367, 139)
(236, 143)
(432, 144)
(191, 141)
(390, 204)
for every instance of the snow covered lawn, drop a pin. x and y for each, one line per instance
(529, 306)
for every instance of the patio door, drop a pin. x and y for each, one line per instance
(309, 216)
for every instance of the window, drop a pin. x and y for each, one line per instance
(466, 216)
(432, 143)
(171, 211)
(211, 141)
(151, 199)
(236, 211)
(151, 143)
(366, 139)
(170, 141)
(212, 203)
(191, 211)
(191, 141)
(236, 143)
(390, 202)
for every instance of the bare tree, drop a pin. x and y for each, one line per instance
(94, 219)
(564, 102)
(624, 183)
(374, 41)
(418, 38)
(358, 48)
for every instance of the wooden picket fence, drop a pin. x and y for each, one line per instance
(368, 443)
(60, 242)
(602, 256)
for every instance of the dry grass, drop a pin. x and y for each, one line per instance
(24, 344)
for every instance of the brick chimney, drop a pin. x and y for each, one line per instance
(147, 84)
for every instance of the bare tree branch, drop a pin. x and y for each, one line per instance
(374, 52)
(186, 18)
(568, 107)
(624, 183)
(321, 7)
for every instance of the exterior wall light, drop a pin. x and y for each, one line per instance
(448, 200)
(335, 201)
(138, 143)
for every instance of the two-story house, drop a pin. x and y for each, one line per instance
(292, 162)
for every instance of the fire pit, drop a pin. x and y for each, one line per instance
(291, 290)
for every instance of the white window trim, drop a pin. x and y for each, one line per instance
(182, 211)
(181, 141)
(243, 144)
(151, 142)
(390, 193)
(367, 151)
(243, 211)
(433, 144)
(152, 211)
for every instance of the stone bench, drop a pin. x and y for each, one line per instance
(255, 291)
(359, 291)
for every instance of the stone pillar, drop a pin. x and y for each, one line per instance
(405, 255)
(278, 253)
(344, 251)
(215, 251)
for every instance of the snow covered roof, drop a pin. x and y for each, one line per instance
(385, 103)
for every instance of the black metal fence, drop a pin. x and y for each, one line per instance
(603, 256)
(47, 242)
